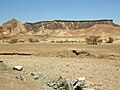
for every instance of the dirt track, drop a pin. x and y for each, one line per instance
(101, 67)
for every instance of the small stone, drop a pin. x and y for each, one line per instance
(34, 74)
(79, 83)
(36, 77)
(20, 78)
(18, 68)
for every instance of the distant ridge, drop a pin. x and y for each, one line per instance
(102, 20)
(104, 27)
(66, 24)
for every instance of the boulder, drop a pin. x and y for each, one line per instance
(18, 68)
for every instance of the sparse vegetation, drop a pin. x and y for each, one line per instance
(64, 41)
(30, 39)
(52, 41)
(110, 40)
(22, 41)
(33, 40)
(3, 68)
(93, 40)
(12, 41)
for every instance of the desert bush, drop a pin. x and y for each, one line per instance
(93, 40)
(30, 39)
(52, 41)
(33, 40)
(110, 40)
(22, 41)
(60, 41)
(12, 41)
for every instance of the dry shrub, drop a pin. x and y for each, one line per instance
(12, 41)
(33, 40)
(93, 40)
(110, 40)
(30, 39)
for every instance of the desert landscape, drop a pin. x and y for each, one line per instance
(101, 66)
(53, 54)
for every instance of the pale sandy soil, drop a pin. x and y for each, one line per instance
(101, 67)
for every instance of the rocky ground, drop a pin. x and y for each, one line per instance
(51, 66)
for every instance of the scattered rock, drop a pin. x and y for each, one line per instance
(35, 75)
(79, 83)
(59, 84)
(18, 68)
(20, 78)
(32, 73)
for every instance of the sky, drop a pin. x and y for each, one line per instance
(40, 10)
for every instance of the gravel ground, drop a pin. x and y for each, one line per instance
(100, 73)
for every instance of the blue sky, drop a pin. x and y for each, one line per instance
(39, 10)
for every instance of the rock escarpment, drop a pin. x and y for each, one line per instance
(65, 25)
(60, 28)
(73, 28)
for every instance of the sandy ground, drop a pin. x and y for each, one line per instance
(100, 66)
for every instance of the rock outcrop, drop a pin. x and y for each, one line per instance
(73, 28)
(12, 28)
(65, 25)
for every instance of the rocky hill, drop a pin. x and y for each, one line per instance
(60, 28)
(12, 28)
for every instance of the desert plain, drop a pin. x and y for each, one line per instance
(99, 64)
